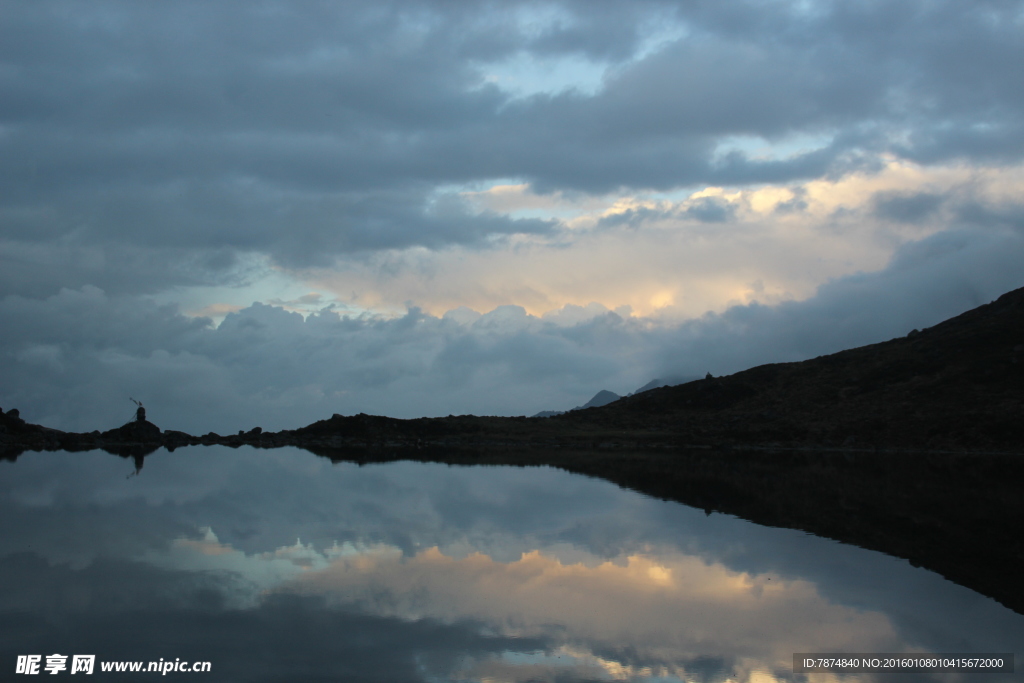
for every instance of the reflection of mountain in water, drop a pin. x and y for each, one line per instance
(906, 446)
(276, 565)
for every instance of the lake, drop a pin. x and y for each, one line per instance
(277, 565)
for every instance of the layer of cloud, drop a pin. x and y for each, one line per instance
(74, 358)
(302, 132)
(480, 208)
(690, 254)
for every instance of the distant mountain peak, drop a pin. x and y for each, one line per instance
(601, 398)
(669, 381)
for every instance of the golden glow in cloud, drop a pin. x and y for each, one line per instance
(664, 608)
(660, 255)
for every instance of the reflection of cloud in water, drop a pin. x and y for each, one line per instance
(613, 584)
(639, 616)
(660, 609)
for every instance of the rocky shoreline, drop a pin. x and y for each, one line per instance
(960, 514)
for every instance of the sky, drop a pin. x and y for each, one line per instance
(264, 213)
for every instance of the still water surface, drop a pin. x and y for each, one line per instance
(281, 566)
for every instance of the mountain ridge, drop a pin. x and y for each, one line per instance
(957, 386)
(601, 398)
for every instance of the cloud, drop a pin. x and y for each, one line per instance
(710, 210)
(912, 208)
(78, 355)
(696, 251)
(197, 129)
(75, 357)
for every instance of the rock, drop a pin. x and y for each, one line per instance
(141, 431)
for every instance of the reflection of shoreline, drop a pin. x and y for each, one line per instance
(960, 515)
(574, 562)
(865, 446)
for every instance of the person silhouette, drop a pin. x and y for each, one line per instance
(140, 414)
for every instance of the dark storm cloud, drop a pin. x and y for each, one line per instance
(710, 210)
(703, 209)
(907, 208)
(1008, 215)
(39, 269)
(635, 217)
(306, 130)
